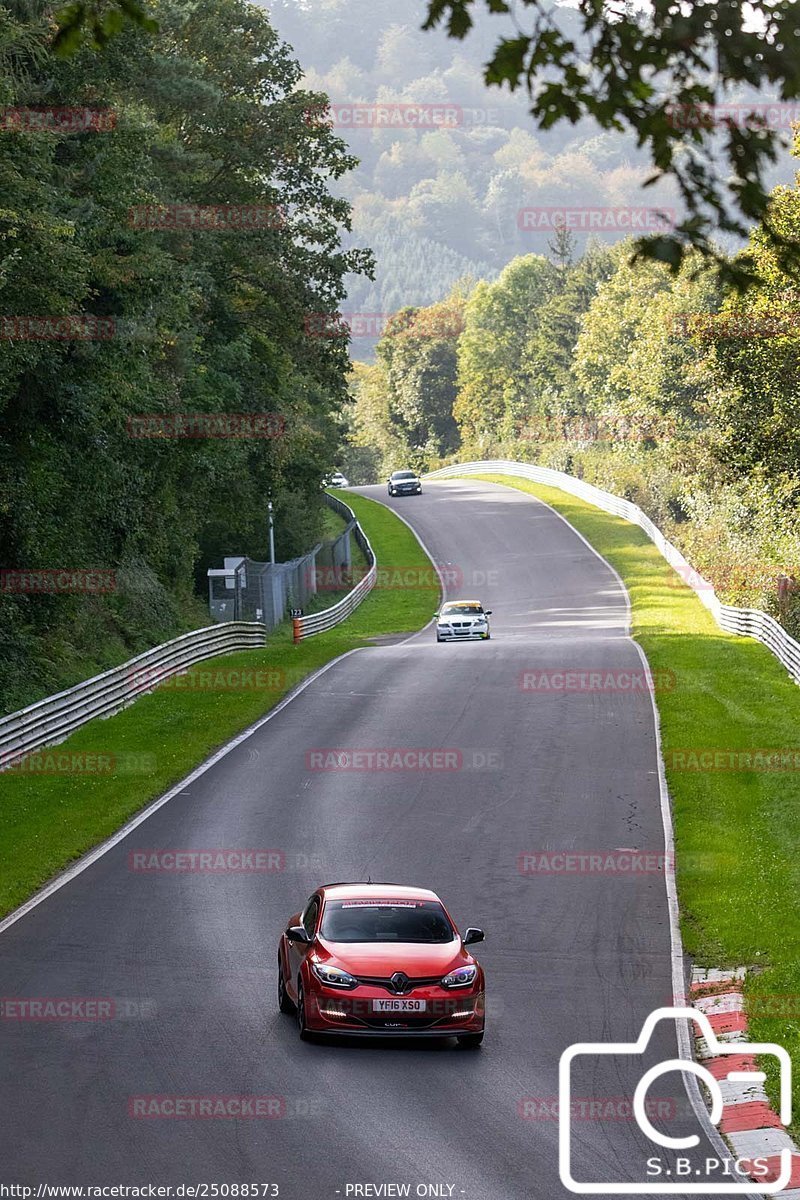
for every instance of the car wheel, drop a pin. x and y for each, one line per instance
(284, 1003)
(302, 1028)
(439, 639)
(470, 1041)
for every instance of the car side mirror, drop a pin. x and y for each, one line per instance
(473, 935)
(487, 612)
(298, 933)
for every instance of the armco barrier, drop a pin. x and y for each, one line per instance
(748, 622)
(51, 720)
(326, 619)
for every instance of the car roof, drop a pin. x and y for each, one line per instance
(366, 891)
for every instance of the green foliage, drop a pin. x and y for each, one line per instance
(207, 112)
(665, 388)
(658, 71)
(441, 201)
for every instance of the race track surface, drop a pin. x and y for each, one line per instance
(189, 959)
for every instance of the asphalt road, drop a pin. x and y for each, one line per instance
(189, 960)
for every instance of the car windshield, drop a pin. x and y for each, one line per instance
(462, 610)
(386, 921)
(404, 475)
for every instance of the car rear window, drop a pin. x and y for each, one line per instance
(386, 921)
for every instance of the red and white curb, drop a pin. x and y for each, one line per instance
(749, 1124)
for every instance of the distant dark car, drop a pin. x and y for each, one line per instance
(404, 483)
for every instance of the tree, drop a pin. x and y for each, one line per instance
(208, 117)
(419, 354)
(550, 352)
(496, 385)
(638, 372)
(659, 71)
(756, 347)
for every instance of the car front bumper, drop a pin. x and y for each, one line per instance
(448, 1014)
(474, 634)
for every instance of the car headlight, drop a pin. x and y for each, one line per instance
(333, 976)
(461, 977)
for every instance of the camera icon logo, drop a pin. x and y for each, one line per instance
(689, 1066)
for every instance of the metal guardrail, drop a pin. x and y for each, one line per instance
(747, 622)
(49, 721)
(326, 619)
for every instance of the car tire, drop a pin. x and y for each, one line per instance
(439, 639)
(284, 1003)
(302, 1028)
(470, 1041)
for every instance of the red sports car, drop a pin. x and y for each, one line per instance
(380, 960)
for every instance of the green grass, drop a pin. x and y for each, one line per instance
(332, 526)
(51, 819)
(737, 832)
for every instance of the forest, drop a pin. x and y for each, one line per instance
(671, 390)
(438, 199)
(167, 227)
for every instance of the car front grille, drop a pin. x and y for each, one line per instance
(380, 981)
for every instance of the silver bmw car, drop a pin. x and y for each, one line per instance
(463, 621)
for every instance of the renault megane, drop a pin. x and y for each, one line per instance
(377, 959)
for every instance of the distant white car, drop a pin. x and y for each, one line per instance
(463, 621)
(338, 480)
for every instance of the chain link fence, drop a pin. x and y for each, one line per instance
(246, 590)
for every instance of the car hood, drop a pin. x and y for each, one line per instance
(384, 958)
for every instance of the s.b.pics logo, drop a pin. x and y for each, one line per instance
(677, 1174)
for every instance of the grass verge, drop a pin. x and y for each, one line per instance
(737, 831)
(53, 814)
